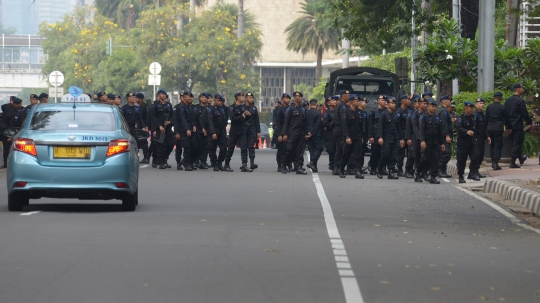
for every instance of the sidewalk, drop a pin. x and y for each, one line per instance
(521, 185)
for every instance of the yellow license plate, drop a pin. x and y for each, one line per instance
(71, 152)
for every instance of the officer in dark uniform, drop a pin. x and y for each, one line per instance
(295, 133)
(495, 117)
(43, 98)
(153, 144)
(390, 140)
(432, 140)
(217, 133)
(316, 130)
(466, 143)
(341, 107)
(253, 129)
(515, 113)
(197, 146)
(446, 121)
(329, 138)
(132, 115)
(281, 144)
(143, 112)
(417, 150)
(275, 114)
(237, 133)
(11, 117)
(373, 131)
(402, 113)
(409, 138)
(480, 134)
(33, 101)
(102, 97)
(354, 124)
(162, 118)
(185, 129)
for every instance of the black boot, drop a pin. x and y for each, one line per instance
(461, 179)
(179, 166)
(335, 172)
(373, 171)
(342, 172)
(167, 164)
(300, 170)
(385, 171)
(220, 166)
(252, 164)
(434, 180)
(417, 177)
(245, 169)
(215, 165)
(314, 168)
(202, 165)
(188, 167)
(309, 165)
(473, 176)
(227, 167)
(194, 166)
(358, 174)
(162, 166)
(154, 164)
(480, 175)
(284, 169)
(205, 164)
(513, 164)
(522, 159)
(331, 167)
(392, 175)
(380, 172)
(278, 167)
(426, 176)
(496, 166)
(408, 175)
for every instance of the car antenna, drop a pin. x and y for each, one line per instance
(372, 93)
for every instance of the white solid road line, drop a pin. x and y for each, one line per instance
(505, 213)
(30, 213)
(144, 166)
(445, 180)
(348, 280)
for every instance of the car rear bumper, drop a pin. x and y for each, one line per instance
(72, 182)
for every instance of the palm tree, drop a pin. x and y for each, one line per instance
(240, 18)
(307, 33)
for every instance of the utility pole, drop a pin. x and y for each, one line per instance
(511, 22)
(413, 47)
(346, 45)
(191, 9)
(456, 8)
(486, 46)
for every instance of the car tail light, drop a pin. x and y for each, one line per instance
(25, 145)
(20, 184)
(117, 147)
(121, 185)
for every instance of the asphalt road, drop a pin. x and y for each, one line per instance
(208, 236)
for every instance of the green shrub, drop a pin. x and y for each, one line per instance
(460, 99)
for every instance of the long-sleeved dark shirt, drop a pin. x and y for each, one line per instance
(238, 123)
(338, 126)
(481, 125)
(516, 112)
(314, 123)
(464, 124)
(161, 113)
(402, 114)
(328, 123)
(431, 129)
(446, 121)
(218, 120)
(353, 124)
(388, 127)
(280, 120)
(415, 117)
(252, 122)
(495, 117)
(132, 116)
(295, 121)
(373, 122)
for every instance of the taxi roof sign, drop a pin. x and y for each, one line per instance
(68, 98)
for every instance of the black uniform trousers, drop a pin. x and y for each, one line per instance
(315, 147)
(296, 145)
(252, 141)
(281, 150)
(445, 156)
(143, 144)
(389, 152)
(163, 150)
(204, 149)
(196, 145)
(480, 152)
(400, 160)
(516, 137)
(464, 151)
(186, 144)
(330, 145)
(429, 160)
(234, 140)
(352, 154)
(338, 154)
(152, 149)
(495, 150)
(6, 146)
(362, 156)
(220, 142)
(417, 153)
(375, 154)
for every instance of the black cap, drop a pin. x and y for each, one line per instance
(161, 90)
(445, 98)
(238, 94)
(469, 104)
(285, 95)
(403, 97)
(184, 93)
(130, 95)
(298, 94)
(344, 92)
(249, 94)
(313, 101)
(43, 95)
(391, 100)
(100, 94)
(427, 94)
(497, 94)
(480, 100)
(139, 96)
(16, 100)
(33, 96)
(111, 96)
(218, 96)
(518, 85)
(385, 97)
(431, 101)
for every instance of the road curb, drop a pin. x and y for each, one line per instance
(525, 197)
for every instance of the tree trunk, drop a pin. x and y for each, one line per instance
(469, 18)
(318, 70)
(240, 18)
(445, 88)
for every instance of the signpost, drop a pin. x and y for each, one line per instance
(155, 78)
(56, 79)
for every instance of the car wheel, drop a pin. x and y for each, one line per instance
(129, 202)
(16, 203)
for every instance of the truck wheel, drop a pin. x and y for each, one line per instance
(16, 203)
(129, 202)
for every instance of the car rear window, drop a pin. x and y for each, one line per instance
(70, 120)
(366, 88)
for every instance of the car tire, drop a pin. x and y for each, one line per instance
(129, 202)
(16, 203)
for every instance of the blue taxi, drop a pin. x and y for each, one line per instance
(73, 150)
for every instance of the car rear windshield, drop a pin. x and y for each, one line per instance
(70, 120)
(366, 88)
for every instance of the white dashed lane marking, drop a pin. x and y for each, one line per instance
(30, 213)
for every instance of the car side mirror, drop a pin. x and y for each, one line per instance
(11, 132)
(141, 134)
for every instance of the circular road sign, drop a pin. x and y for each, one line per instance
(155, 68)
(56, 78)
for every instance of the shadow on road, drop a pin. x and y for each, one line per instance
(74, 208)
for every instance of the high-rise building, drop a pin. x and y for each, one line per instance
(26, 15)
(51, 11)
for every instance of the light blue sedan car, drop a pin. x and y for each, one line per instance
(66, 150)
